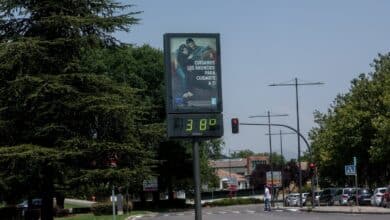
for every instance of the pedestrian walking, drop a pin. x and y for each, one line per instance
(267, 199)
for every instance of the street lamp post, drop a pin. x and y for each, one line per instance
(270, 145)
(230, 168)
(281, 154)
(296, 84)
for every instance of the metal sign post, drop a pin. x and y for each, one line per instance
(356, 181)
(113, 203)
(198, 205)
(350, 170)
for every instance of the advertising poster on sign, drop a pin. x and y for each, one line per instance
(192, 63)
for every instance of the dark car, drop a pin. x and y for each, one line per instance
(386, 198)
(36, 204)
(363, 197)
(327, 196)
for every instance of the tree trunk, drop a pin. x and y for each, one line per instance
(171, 195)
(47, 196)
(156, 198)
(47, 206)
(60, 198)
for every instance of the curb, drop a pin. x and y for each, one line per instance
(344, 211)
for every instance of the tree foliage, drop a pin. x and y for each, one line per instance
(142, 69)
(63, 126)
(242, 153)
(277, 159)
(357, 124)
(290, 173)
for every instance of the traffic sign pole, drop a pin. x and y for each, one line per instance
(356, 181)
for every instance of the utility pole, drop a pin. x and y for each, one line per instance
(296, 84)
(270, 146)
(281, 154)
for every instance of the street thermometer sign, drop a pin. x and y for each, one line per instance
(193, 85)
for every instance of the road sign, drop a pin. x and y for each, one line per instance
(150, 185)
(350, 170)
(277, 178)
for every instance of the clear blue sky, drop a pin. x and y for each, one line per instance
(274, 41)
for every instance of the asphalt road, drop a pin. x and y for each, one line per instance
(255, 212)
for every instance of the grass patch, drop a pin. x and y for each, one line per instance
(90, 216)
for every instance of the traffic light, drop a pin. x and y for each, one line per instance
(235, 125)
(312, 169)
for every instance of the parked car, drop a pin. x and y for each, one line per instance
(386, 198)
(377, 197)
(342, 196)
(327, 196)
(304, 198)
(363, 195)
(36, 204)
(292, 199)
(309, 197)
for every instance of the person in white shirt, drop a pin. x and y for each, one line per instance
(267, 199)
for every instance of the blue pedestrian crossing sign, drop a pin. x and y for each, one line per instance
(350, 170)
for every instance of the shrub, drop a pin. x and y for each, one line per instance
(102, 208)
(234, 201)
(105, 208)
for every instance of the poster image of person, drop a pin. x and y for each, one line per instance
(194, 70)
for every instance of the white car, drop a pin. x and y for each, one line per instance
(304, 198)
(292, 199)
(377, 197)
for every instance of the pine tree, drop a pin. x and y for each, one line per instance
(61, 126)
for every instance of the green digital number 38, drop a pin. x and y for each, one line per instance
(204, 123)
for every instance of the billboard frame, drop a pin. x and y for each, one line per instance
(170, 106)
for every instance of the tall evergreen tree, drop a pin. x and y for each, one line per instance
(62, 125)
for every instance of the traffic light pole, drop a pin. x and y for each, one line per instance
(286, 126)
(298, 133)
(312, 168)
(281, 153)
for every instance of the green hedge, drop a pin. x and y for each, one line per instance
(105, 208)
(234, 201)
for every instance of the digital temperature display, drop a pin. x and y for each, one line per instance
(195, 125)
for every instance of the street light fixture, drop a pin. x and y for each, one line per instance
(270, 141)
(296, 84)
(281, 153)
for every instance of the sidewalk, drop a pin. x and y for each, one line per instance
(347, 209)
